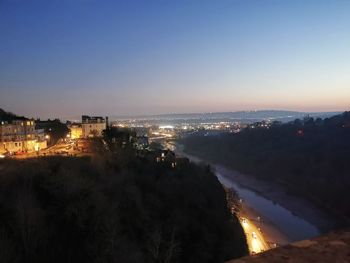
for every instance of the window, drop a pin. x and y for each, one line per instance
(15, 144)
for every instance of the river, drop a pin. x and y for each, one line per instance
(282, 224)
(294, 227)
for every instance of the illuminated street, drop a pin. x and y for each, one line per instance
(255, 239)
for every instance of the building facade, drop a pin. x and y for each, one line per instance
(76, 131)
(19, 136)
(93, 127)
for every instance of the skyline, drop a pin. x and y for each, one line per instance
(65, 58)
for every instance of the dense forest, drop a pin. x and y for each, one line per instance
(310, 156)
(116, 208)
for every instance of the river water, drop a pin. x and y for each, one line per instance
(292, 226)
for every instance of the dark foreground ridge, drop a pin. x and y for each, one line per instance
(114, 208)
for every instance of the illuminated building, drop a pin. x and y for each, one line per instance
(93, 126)
(76, 131)
(19, 135)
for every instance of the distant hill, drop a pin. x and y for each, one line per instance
(248, 115)
(241, 116)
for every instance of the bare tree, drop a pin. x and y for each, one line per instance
(163, 248)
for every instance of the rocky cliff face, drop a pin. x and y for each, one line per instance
(333, 247)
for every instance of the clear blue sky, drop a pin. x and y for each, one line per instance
(68, 57)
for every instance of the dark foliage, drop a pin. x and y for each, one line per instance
(54, 128)
(9, 116)
(117, 137)
(124, 210)
(310, 156)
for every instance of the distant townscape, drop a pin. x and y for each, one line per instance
(21, 135)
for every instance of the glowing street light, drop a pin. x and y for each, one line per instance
(245, 222)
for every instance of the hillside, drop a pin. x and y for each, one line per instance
(117, 209)
(310, 156)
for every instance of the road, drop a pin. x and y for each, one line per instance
(255, 239)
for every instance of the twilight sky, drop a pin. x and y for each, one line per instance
(68, 57)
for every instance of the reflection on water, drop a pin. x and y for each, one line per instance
(294, 227)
